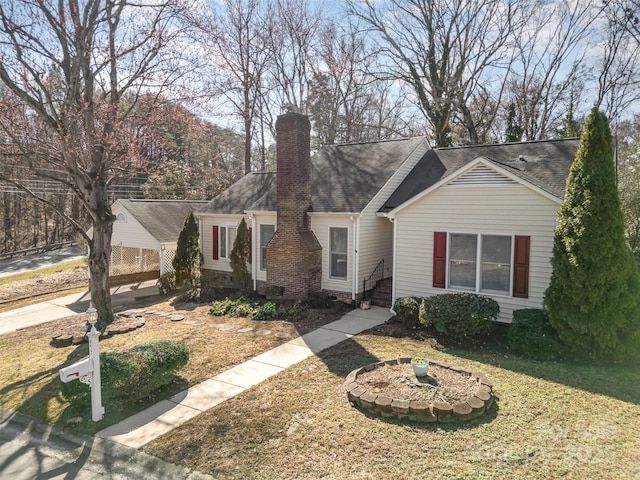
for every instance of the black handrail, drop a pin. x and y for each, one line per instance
(372, 281)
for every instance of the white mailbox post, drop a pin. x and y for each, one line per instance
(87, 370)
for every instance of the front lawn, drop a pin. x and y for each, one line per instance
(29, 365)
(551, 420)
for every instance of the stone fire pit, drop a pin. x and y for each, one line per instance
(447, 394)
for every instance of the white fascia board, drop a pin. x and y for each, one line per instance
(209, 215)
(260, 212)
(424, 145)
(346, 214)
(465, 169)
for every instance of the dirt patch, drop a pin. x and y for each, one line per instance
(53, 282)
(399, 381)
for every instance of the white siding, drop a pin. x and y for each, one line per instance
(376, 233)
(376, 243)
(320, 225)
(128, 232)
(206, 245)
(508, 210)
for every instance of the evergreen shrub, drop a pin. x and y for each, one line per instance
(465, 317)
(531, 335)
(407, 311)
(134, 374)
(593, 298)
(167, 283)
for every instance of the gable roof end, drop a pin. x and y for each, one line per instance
(541, 165)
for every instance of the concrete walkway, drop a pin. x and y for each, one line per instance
(166, 415)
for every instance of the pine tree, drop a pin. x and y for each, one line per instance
(514, 131)
(593, 299)
(186, 263)
(240, 256)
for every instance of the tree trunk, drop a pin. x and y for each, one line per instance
(100, 257)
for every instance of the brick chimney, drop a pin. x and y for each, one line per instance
(294, 255)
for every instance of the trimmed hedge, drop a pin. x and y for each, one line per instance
(407, 311)
(532, 336)
(134, 374)
(464, 316)
(244, 308)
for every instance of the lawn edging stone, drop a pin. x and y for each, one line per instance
(469, 408)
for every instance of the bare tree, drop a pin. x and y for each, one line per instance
(442, 49)
(295, 27)
(70, 64)
(550, 69)
(618, 82)
(348, 104)
(235, 34)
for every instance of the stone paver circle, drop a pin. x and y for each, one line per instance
(474, 406)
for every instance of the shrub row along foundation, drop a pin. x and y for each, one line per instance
(474, 406)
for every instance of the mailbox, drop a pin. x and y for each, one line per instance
(76, 371)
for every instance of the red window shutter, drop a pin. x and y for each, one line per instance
(216, 241)
(439, 259)
(521, 266)
(250, 247)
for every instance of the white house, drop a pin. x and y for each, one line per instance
(347, 186)
(478, 218)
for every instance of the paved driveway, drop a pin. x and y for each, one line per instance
(41, 260)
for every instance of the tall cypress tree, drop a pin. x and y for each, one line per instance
(593, 299)
(186, 262)
(240, 255)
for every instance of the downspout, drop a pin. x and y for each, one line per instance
(393, 272)
(201, 260)
(356, 259)
(254, 256)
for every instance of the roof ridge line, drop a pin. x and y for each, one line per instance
(525, 142)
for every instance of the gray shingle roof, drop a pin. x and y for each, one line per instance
(547, 166)
(347, 177)
(344, 179)
(163, 219)
(254, 191)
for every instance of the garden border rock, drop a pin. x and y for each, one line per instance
(420, 411)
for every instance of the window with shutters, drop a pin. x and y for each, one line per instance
(223, 240)
(493, 264)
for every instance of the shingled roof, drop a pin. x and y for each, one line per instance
(543, 163)
(163, 219)
(344, 178)
(254, 191)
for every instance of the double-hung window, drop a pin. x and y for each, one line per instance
(480, 263)
(266, 232)
(338, 245)
(227, 238)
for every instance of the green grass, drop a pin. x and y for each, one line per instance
(29, 365)
(551, 420)
(43, 271)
